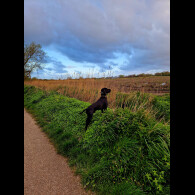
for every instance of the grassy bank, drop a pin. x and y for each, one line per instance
(122, 152)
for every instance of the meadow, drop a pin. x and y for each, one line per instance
(124, 151)
(88, 89)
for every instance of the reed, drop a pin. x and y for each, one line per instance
(81, 88)
(132, 92)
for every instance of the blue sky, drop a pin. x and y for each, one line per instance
(99, 37)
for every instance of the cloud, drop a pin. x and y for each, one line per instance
(146, 60)
(92, 31)
(51, 64)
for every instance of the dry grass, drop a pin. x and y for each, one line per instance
(89, 89)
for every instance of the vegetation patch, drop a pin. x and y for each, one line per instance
(122, 151)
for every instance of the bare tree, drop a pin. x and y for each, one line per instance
(33, 58)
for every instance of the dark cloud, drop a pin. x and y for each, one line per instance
(93, 31)
(57, 65)
(146, 60)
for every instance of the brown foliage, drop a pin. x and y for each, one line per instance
(89, 89)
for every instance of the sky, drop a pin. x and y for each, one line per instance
(99, 37)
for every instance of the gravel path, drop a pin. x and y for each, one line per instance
(45, 171)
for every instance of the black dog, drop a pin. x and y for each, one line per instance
(101, 104)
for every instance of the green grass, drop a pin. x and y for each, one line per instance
(157, 106)
(122, 152)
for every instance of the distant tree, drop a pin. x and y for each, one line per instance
(33, 58)
(158, 74)
(34, 78)
(166, 73)
(144, 75)
(132, 75)
(141, 75)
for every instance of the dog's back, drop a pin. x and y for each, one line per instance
(101, 104)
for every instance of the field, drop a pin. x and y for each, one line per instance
(124, 151)
(88, 90)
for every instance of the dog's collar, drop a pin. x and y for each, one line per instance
(103, 95)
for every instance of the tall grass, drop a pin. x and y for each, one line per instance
(122, 152)
(122, 93)
(152, 84)
(88, 90)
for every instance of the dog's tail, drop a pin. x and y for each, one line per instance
(82, 111)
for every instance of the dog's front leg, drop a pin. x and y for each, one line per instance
(89, 117)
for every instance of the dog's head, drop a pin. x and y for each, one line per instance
(104, 91)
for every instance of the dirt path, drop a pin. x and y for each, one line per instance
(45, 171)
